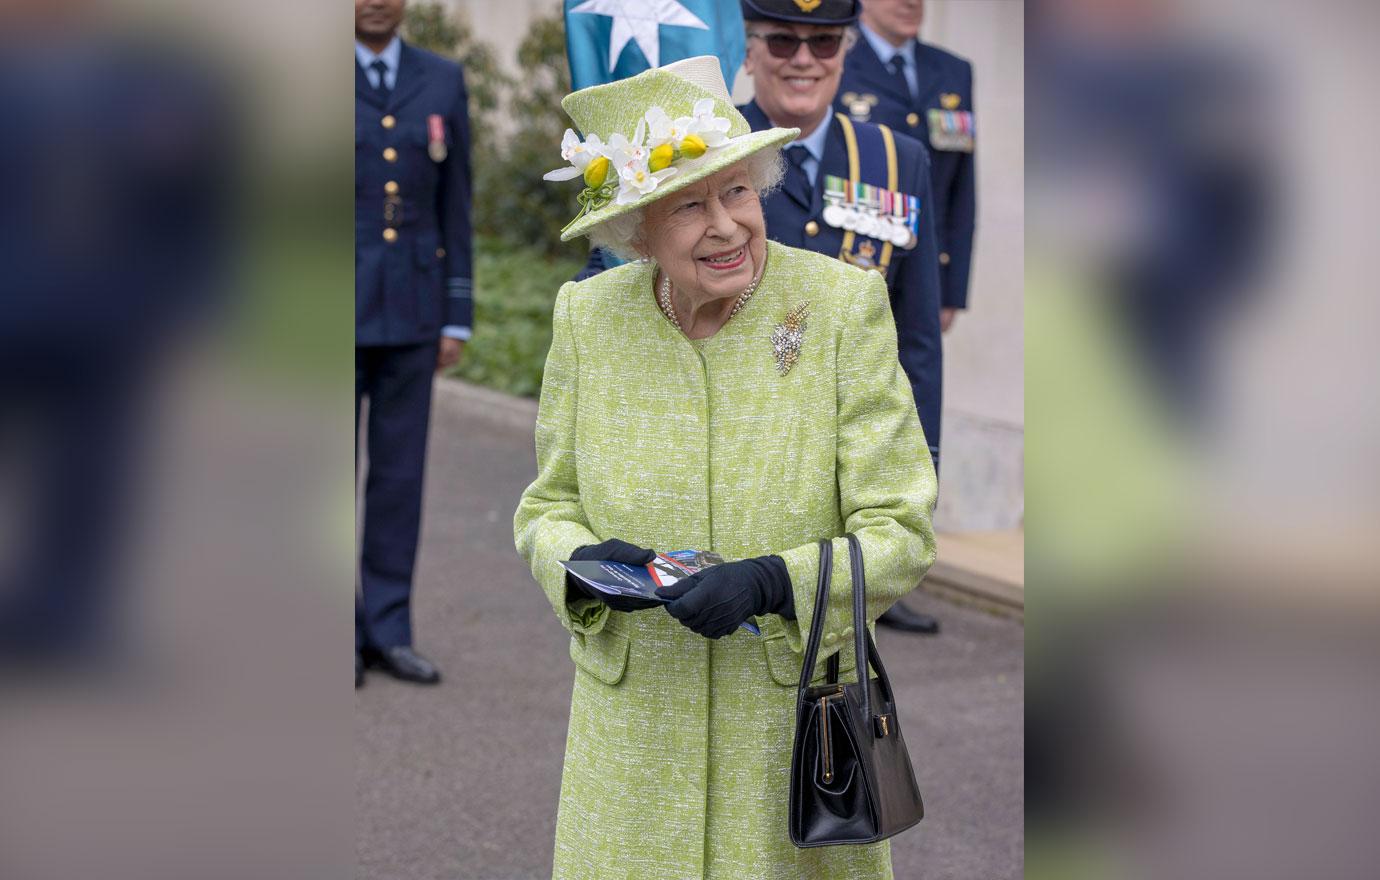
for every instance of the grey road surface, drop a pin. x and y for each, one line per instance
(461, 781)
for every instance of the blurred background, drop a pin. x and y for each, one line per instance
(175, 495)
(1200, 378)
(175, 520)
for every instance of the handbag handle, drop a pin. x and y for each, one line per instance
(864, 648)
(826, 575)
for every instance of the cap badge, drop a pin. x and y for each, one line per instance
(808, 5)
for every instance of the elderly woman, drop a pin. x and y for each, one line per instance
(720, 393)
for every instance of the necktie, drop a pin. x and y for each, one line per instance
(897, 66)
(381, 68)
(797, 182)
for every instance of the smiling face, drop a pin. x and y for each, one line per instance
(377, 20)
(893, 20)
(709, 238)
(794, 92)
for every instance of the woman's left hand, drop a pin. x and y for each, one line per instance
(715, 601)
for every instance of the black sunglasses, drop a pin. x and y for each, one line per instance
(786, 45)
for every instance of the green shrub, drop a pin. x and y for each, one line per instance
(516, 127)
(514, 293)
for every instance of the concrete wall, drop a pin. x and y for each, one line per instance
(984, 407)
(984, 383)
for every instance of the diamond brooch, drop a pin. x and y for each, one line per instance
(786, 338)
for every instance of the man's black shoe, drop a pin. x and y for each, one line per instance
(359, 670)
(900, 617)
(403, 663)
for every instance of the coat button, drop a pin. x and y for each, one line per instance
(812, 229)
(912, 119)
(830, 638)
(390, 154)
(943, 259)
(390, 235)
(388, 121)
(391, 187)
(440, 253)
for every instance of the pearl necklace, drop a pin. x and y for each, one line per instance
(663, 298)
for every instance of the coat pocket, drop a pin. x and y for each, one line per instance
(603, 655)
(784, 664)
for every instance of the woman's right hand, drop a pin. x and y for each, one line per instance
(615, 551)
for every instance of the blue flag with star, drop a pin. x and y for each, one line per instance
(608, 40)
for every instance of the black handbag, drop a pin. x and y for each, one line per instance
(851, 779)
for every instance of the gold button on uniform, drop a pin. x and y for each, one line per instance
(812, 229)
(391, 187)
(943, 259)
(912, 119)
(388, 121)
(440, 253)
(390, 154)
(390, 235)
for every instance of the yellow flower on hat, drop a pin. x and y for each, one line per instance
(661, 157)
(596, 172)
(692, 146)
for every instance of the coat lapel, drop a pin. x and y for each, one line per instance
(756, 119)
(873, 74)
(410, 79)
(835, 161)
(929, 77)
(364, 90)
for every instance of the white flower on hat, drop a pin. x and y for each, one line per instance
(623, 151)
(713, 130)
(637, 180)
(578, 153)
(665, 130)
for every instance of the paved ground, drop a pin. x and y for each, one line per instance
(461, 781)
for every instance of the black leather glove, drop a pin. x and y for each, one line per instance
(615, 551)
(715, 601)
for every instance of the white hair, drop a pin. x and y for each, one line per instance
(624, 234)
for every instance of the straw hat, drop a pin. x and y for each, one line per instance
(653, 134)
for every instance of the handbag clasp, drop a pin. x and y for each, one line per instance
(883, 726)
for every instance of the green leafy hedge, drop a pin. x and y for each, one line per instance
(515, 289)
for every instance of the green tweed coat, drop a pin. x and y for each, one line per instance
(679, 746)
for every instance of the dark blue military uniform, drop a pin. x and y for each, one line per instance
(912, 274)
(412, 279)
(869, 92)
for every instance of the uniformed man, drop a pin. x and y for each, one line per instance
(412, 305)
(889, 77)
(856, 191)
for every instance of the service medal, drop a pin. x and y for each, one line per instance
(436, 138)
(833, 215)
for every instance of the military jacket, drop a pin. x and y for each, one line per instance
(942, 117)
(413, 264)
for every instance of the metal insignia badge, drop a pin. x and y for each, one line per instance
(436, 137)
(808, 5)
(950, 101)
(787, 337)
